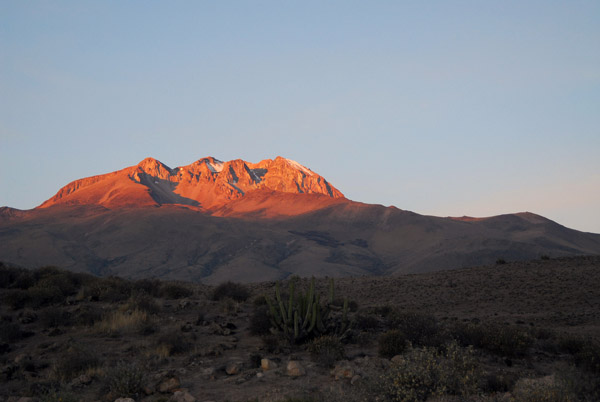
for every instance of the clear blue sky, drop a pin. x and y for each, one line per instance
(440, 107)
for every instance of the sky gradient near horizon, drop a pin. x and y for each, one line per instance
(444, 108)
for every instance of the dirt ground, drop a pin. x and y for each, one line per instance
(202, 349)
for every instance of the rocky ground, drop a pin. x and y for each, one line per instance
(514, 331)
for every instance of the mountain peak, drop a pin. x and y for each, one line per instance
(207, 184)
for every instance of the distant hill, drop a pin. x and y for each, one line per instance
(213, 221)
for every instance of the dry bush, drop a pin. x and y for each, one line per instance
(150, 287)
(260, 322)
(143, 302)
(55, 317)
(111, 290)
(125, 380)
(175, 291)
(87, 315)
(588, 357)
(365, 322)
(503, 340)
(16, 298)
(419, 328)
(10, 332)
(423, 373)
(174, 342)
(231, 290)
(326, 350)
(121, 322)
(75, 361)
(392, 343)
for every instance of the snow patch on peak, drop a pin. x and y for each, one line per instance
(298, 166)
(213, 164)
(216, 166)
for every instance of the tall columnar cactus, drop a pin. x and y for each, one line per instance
(304, 316)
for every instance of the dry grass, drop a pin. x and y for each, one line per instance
(120, 322)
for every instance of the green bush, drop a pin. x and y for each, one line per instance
(392, 343)
(231, 290)
(326, 350)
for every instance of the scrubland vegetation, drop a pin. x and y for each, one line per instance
(74, 337)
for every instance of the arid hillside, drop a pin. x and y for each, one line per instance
(522, 331)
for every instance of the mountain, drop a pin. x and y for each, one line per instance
(206, 184)
(213, 221)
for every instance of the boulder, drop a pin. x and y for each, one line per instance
(182, 396)
(168, 384)
(295, 369)
(267, 364)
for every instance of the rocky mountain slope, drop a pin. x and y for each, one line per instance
(213, 221)
(205, 184)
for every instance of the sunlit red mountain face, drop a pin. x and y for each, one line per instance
(207, 185)
(214, 221)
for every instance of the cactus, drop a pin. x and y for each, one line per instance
(305, 317)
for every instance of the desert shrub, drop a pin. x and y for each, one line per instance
(24, 279)
(326, 350)
(57, 396)
(10, 332)
(54, 317)
(588, 357)
(7, 276)
(392, 343)
(260, 322)
(571, 344)
(125, 380)
(174, 291)
(73, 362)
(111, 289)
(544, 257)
(173, 342)
(425, 372)
(150, 287)
(235, 291)
(260, 300)
(498, 382)
(16, 298)
(541, 390)
(121, 322)
(87, 315)
(143, 302)
(40, 296)
(365, 322)
(271, 343)
(500, 261)
(503, 340)
(418, 328)
(66, 283)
